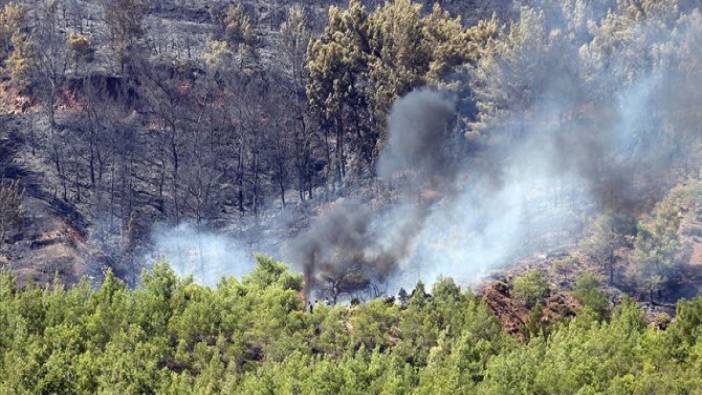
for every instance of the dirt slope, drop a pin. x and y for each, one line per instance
(50, 240)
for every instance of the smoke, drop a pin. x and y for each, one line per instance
(581, 128)
(204, 255)
(570, 123)
(349, 247)
(453, 216)
(418, 135)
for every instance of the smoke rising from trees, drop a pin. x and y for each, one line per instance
(563, 140)
(554, 120)
(207, 256)
(419, 133)
(349, 246)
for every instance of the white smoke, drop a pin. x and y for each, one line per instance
(481, 229)
(574, 153)
(202, 254)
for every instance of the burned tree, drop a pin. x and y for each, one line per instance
(346, 281)
(124, 20)
(11, 210)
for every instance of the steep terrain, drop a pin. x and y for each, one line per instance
(211, 130)
(51, 238)
(92, 229)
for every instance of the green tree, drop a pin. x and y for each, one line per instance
(513, 76)
(609, 233)
(534, 323)
(335, 65)
(586, 291)
(269, 273)
(659, 249)
(530, 287)
(402, 54)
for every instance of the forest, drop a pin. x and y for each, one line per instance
(256, 336)
(401, 196)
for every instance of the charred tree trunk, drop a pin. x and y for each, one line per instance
(240, 177)
(176, 166)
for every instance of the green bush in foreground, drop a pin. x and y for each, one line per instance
(256, 336)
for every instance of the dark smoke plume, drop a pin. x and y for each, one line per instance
(348, 247)
(571, 119)
(333, 243)
(419, 132)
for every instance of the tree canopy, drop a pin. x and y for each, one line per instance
(256, 335)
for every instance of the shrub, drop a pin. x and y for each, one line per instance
(530, 287)
(587, 292)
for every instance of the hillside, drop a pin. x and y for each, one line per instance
(358, 196)
(544, 156)
(112, 149)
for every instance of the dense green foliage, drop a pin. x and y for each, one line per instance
(256, 336)
(663, 242)
(530, 287)
(587, 292)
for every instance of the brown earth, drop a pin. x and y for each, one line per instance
(514, 315)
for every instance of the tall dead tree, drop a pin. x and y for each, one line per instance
(11, 210)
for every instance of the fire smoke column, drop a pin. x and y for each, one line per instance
(419, 138)
(350, 246)
(207, 256)
(333, 242)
